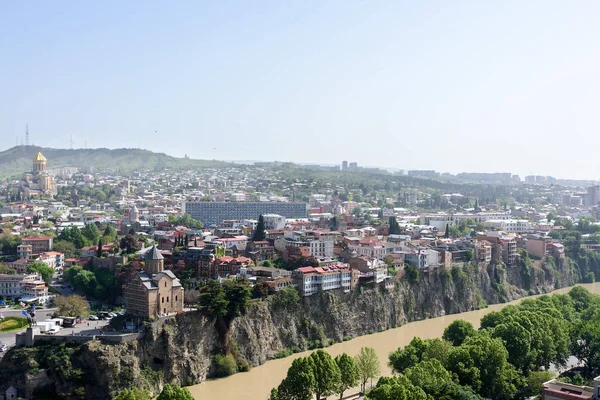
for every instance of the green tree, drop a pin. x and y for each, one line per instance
(238, 294)
(536, 380)
(396, 388)
(174, 392)
(394, 226)
(99, 249)
(71, 306)
(9, 243)
(110, 232)
(260, 290)
(67, 248)
(408, 356)
(327, 373)
(349, 375)
(129, 244)
(498, 378)
(43, 269)
(133, 394)
(430, 376)
(73, 235)
(368, 365)
(6, 270)
(586, 345)
(260, 232)
(91, 233)
(458, 331)
(212, 299)
(299, 384)
(517, 341)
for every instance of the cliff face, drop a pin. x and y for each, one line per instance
(181, 349)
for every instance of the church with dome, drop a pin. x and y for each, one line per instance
(38, 182)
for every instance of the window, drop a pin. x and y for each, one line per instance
(175, 298)
(167, 299)
(163, 299)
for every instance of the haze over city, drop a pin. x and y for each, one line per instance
(450, 86)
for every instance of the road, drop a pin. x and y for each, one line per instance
(85, 328)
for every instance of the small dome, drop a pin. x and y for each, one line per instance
(153, 254)
(39, 157)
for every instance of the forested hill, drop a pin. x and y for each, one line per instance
(16, 160)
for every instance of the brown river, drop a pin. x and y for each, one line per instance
(257, 383)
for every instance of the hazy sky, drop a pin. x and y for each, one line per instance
(454, 86)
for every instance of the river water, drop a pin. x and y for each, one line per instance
(258, 382)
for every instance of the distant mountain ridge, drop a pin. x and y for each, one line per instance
(17, 160)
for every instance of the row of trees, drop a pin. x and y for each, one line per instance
(169, 392)
(322, 375)
(508, 357)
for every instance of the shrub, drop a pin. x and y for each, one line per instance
(243, 367)
(412, 273)
(224, 365)
(287, 297)
(284, 353)
(346, 338)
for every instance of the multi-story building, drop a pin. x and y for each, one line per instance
(439, 220)
(368, 247)
(509, 225)
(274, 221)
(504, 246)
(154, 291)
(228, 243)
(27, 287)
(369, 268)
(416, 258)
(39, 244)
(212, 213)
(483, 251)
(24, 251)
(309, 280)
(53, 259)
(311, 243)
(593, 196)
(260, 250)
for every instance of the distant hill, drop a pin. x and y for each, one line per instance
(17, 160)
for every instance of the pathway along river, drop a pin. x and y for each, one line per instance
(257, 383)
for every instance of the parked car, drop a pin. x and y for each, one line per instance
(53, 330)
(93, 318)
(3, 347)
(112, 314)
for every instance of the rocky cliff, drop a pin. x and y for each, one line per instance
(182, 349)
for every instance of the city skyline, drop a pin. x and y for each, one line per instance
(461, 87)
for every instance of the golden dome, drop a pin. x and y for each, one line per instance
(39, 157)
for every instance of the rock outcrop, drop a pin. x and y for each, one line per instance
(181, 349)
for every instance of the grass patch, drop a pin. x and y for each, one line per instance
(12, 324)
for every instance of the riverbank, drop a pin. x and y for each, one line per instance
(258, 382)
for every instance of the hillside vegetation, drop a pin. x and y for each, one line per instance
(17, 160)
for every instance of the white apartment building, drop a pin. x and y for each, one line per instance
(28, 287)
(274, 221)
(310, 280)
(440, 219)
(376, 250)
(320, 243)
(53, 259)
(509, 225)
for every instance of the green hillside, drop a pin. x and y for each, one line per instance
(15, 161)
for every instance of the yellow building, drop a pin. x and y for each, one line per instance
(38, 182)
(154, 291)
